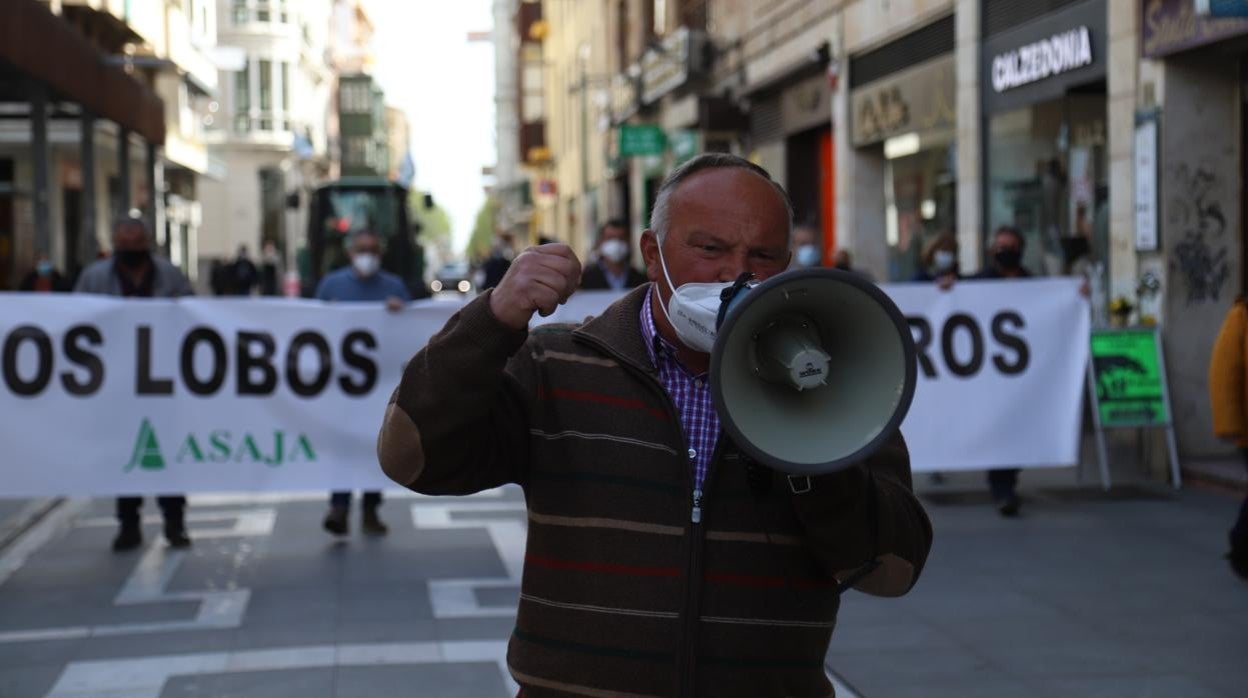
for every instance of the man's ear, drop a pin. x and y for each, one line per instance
(650, 255)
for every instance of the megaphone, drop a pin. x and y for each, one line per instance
(812, 370)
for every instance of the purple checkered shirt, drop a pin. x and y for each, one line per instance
(691, 394)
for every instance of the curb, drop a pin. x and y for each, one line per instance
(31, 514)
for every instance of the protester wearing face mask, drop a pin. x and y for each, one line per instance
(613, 271)
(940, 261)
(806, 252)
(362, 282)
(44, 278)
(134, 272)
(1005, 262)
(648, 530)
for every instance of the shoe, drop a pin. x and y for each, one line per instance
(372, 524)
(128, 538)
(177, 537)
(1009, 507)
(336, 521)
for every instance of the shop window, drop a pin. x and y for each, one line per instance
(1049, 177)
(920, 199)
(266, 85)
(285, 68)
(242, 98)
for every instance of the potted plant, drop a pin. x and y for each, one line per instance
(1120, 310)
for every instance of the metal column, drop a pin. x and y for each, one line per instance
(122, 203)
(39, 146)
(155, 213)
(88, 242)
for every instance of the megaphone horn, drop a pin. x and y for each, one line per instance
(812, 370)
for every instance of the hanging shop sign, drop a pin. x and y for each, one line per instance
(672, 64)
(1055, 55)
(1169, 26)
(1044, 58)
(641, 139)
(923, 98)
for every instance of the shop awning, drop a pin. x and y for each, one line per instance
(37, 44)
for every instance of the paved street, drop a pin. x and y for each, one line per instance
(1086, 595)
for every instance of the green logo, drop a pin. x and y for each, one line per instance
(146, 453)
(222, 446)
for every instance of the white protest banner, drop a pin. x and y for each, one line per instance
(1001, 373)
(106, 396)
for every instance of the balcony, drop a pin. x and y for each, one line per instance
(533, 142)
(529, 24)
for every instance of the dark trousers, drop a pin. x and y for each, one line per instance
(1239, 534)
(172, 507)
(1003, 482)
(343, 499)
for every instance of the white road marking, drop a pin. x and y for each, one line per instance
(150, 579)
(457, 598)
(146, 677)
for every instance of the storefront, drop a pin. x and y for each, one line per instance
(1194, 80)
(903, 104)
(1045, 146)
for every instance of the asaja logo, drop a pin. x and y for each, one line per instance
(220, 446)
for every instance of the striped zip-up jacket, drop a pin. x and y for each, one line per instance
(623, 592)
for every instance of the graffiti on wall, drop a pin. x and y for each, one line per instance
(1201, 257)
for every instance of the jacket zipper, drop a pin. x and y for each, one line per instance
(693, 577)
(686, 654)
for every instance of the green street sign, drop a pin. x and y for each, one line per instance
(1129, 380)
(645, 139)
(684, 145)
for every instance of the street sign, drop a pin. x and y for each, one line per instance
(644, 139)
(684, 145)
(1129, 392)
(1127, 382)
(1222, 8)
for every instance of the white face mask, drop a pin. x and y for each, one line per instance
(808, 256)
(943, 260)
(694, 309)
(614, 251)
(366, 263)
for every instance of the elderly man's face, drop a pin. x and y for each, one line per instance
(721, 222)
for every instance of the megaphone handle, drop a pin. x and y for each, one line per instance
(861, 572)
(856, 576)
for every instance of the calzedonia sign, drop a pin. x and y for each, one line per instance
(1057, 54)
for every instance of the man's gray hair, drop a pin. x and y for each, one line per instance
(661, 214)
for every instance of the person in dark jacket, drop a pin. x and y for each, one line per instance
(661, 560)
(939, 261)
(613, 270)
(134, 272)
(44, 278)
(1005, 262)
(243, 274)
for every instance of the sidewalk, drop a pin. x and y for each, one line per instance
(1087, 594)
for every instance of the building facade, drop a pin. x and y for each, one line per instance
(122, 128)
(1110, 134)
(275, 131)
